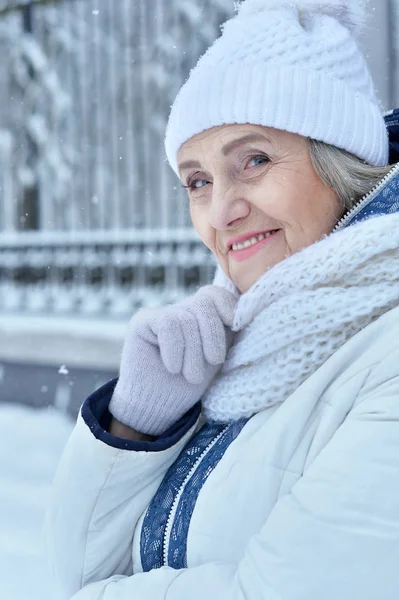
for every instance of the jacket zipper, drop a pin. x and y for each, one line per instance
(366, 199)
(340, 225)
(172, 512)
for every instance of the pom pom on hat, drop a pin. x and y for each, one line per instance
(350, 13)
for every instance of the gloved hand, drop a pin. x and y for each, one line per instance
(170, 356)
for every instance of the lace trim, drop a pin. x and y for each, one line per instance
(386, 203)
(177, 552)
(156, 518)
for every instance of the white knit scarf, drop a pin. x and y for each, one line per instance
(302, 311)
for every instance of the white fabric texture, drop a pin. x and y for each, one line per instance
(294, 65)
(301, 311)
(302, 506)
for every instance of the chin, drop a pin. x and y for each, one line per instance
(243, 284)
(244, 281)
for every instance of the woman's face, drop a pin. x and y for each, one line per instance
(254, 186)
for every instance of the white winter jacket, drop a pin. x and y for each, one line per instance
(300, 502)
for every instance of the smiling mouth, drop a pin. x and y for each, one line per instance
(248, 248)
(252, 241)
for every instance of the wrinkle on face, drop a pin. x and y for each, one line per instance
(242, 195)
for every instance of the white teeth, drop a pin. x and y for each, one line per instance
(253, 240)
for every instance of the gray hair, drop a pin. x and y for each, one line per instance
(348, 176)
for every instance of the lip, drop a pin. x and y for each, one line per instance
(245, 236)
(245, 253)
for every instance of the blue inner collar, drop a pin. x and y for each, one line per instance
(387, 200)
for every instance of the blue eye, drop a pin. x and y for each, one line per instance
(195, 184)
(258, 158)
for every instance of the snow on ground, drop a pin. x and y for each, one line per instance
(31, 443)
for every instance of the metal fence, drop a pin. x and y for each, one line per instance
(92, 218)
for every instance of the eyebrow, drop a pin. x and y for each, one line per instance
(227, 149)
(250, 137)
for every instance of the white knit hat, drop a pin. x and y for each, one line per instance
(293, 65)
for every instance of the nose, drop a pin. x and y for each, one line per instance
(228, 207)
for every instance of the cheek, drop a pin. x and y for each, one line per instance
(282, 202)
(202, 226)
(314, 210)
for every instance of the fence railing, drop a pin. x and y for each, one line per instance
(92, 219)
(109, 273)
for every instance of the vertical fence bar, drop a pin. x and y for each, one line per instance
(164, 199)
(116, 153)
(126, 128)
(138, 108)
(72, 138)
(7, 192)
(99, 183)
(394, 52)
(150, 214)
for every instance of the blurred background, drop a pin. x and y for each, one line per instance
(93, 222)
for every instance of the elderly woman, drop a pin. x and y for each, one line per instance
(287, 485)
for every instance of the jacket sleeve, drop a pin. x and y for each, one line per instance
(335, 535)
(102, 486)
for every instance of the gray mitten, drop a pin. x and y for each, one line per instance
(170, 356)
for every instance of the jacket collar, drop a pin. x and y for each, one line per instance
(384, 199)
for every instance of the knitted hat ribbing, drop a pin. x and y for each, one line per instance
(293, 65)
